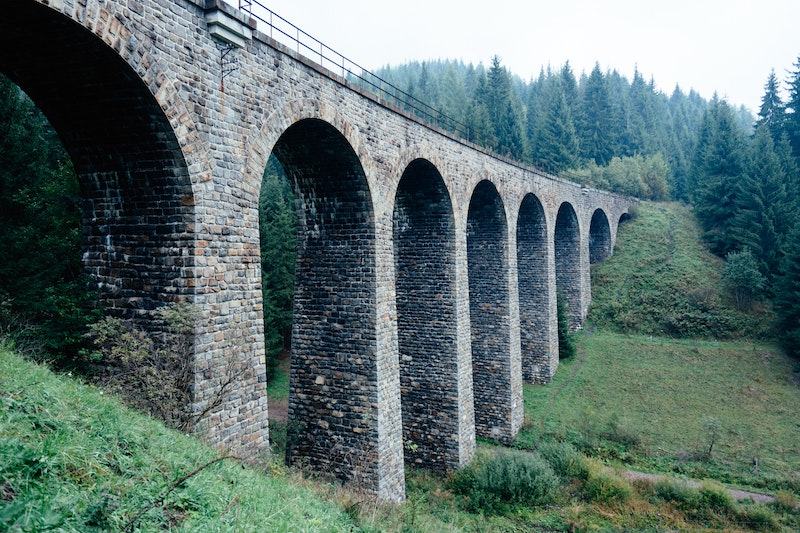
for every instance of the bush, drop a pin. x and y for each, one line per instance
(565, 460)
(759, 519)
(785, 502)
(604, 487)
(505, 480)
(683, 495)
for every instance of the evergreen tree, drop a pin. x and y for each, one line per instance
(278, 230)
(772, 113)
(595, 119)
(717, 169)
(792, 117)
(765, 201)
(787, 294)
(504, 112)
(41, 282)
(555, 144)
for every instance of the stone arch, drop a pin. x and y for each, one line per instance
(535, 300)
(568, 264)
(495, 396)
(333, 377)
(599, 238)
(131, 143)
(279, 121)
(424, 258)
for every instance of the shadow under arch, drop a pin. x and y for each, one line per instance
(332, 384)
(568, 264)
(599, 238)
(536, 308)
(137, 200)
(424, 257)
(497, 381)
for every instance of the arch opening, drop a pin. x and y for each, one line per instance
(567, 255)
(424, 256)
(487, 262)
(332, 423)
(535, 307)
(137, 201)
(599, 238)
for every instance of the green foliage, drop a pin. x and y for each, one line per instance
(787, 294)
(605, 487)
(44, 303)
(151, 372)
(501, 481)
(742, 278)
(74, 459)
(565, 460)
(278, 230)
(566, 343)
(661, 281)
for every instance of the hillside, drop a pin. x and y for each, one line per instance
(662, 281)
(74, 459)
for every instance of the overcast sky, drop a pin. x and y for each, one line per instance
(727, 46)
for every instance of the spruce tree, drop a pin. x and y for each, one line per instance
(595, 118)
(772, 113)
(787, 294)
(278, 227)
(792, 118)
(717, 169)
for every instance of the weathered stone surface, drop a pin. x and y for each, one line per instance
(427, 268)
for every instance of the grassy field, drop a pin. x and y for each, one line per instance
(652, 402)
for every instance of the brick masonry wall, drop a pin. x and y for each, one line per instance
(170, 157)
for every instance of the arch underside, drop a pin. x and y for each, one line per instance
(424, 249)
(333, 376)
(136, 193)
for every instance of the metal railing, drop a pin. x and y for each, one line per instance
(286, 33)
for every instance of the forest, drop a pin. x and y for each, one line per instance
(739, 173)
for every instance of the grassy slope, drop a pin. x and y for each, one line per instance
(662, 281)
(662, 390)
(75, 459)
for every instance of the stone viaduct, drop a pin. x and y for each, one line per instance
(427, 268)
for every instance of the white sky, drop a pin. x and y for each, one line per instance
(727, 46)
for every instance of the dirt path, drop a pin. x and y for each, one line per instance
(736, 494)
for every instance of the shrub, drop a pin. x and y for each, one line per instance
(604, 487)
(759, 518)
(713, 498)
(678, 492)
(565, 460)
(505, 480)
(153, 371)
(785, 502)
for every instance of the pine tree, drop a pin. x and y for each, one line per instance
(787, 294)
(595, 119)
(772, 114)
(555, 144)
(41, 281)
(504, 112)
(278, 226)
(717, 169)
(792, 118)
(766, 205)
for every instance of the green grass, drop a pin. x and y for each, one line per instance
(645, 402)
(74, 459)
(662, 281)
